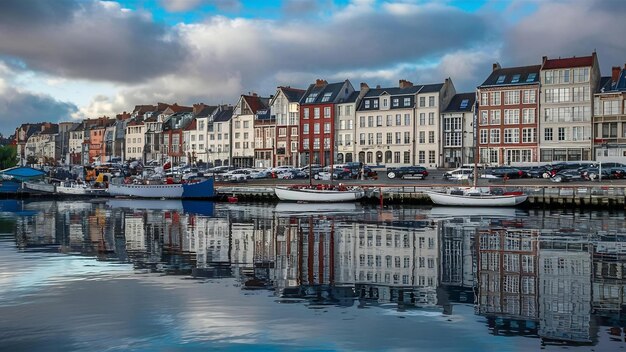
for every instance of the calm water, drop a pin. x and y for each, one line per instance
(168, 275)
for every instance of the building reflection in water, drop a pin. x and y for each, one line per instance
(553, 276)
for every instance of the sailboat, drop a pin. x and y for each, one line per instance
(476, 196)
(321, 193)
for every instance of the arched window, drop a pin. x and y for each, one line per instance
(340, 158)
(388, 157)
(379, 157)
(370, 156)
(362, 157)
(348, 157)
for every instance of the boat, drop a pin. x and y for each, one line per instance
(78, 189)
(202, 189)
(475, 196)
(39, 187)
(309, 208)
(477, 199)
(319, 195)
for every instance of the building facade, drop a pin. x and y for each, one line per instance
(457, 131)
(285, 106)
(507, 116)
(567, 85)
(242, 151)
(609, 118)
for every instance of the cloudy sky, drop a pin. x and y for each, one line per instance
(71, 59)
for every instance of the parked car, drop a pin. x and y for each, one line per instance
(292, 174)
(567, 175)
(504, 171)
(458, 174)
(592, 173)
(261, 174)
(407, 172)
(237, 175)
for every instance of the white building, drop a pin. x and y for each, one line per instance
(457, 131)
(243, 129)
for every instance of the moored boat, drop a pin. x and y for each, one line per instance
(203, 189)
(76, 189)
(477, 199)
(315, 195)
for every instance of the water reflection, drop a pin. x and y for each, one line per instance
(553, 275)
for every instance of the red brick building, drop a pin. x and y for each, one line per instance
(508, 116)
(317, 121)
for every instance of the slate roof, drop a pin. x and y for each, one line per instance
(352, 98)
(333, 88)
(457, 100)
(509, 73)
(583, 61)
(191, 126)
(256, 103)
(607, 84)
(431, 88)
(223, 115)
(292, 94)
(375, 92)
(206, 111)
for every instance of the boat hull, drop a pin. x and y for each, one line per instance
(476, 200)
(318, 196)
(197, 190)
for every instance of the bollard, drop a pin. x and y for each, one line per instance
(381, 197)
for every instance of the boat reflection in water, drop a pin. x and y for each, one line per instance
(554, 276)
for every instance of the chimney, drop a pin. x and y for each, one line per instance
(405, 84)
(378, 86)
(364, 86)
(615, 73)
(320, 82)
(197, 108)
(495, 66)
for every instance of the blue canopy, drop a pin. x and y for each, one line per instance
(22, 172)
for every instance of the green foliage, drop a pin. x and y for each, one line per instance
(8, 156)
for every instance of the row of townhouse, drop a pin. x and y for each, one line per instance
(560, 110)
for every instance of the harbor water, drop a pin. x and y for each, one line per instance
(131, 275)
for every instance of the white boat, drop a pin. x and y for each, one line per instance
(477, 199)
(314, 195)
(39, 187)
(308, 208)
(197, 190)
(75, 189)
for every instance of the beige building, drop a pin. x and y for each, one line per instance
(609, 118)
(399, 126)
(567, 85)
(243, 129)
(135, 134)
(285, 106)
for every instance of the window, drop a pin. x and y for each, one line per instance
(431, 158)
(528, 135)
(561, 134)
(379, 138)
(610, 107)
(305, 128)
(495, 136)
(511, 135)
(407, 101)
(316, 113)
(316, 128)
(370, 121)
(370, 138)
(431, 118)
(379, 121)
(398, 120)
(389, 138)
(528, 115)
(581, 75)
(484, 118)
(431, 136)
(422, 118)
(421, 157)
(327, 111)
(407, 157)
(395, 102)
(311, 98)
(530, 96)
(361, 121)
(362, 139)
(495, 117)
(396, 157)
(609, 130)
(511, 117)
(326, 97)
(422, 102)
(407, 119)
(327, 127)
(389, 120)
(557, 95)
(367, 104)
(375, 103)
(511, 97)
(547, 134)
(495, 98)
(306, 113)
(500, 79)
(431, 101)
(484, 136)
(484, 99)
(464, 103)
(515, 78)
(398, 138)
(531, 77)
(407, 137)
(422, 137)
(578, 133)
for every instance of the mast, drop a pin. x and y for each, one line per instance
(474, 141)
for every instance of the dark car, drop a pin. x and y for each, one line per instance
(505, 171)
(407, 172)
(567, 175)
(592, 173)
(536, 171)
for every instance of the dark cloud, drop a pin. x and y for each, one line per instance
(87, 40)
(21, 107)
(569, 28)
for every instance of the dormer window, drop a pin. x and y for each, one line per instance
(367, 104)
(311, 98)
(515, 79)
(326, 97)
(395, 102)
(375, 104)
(500, 79)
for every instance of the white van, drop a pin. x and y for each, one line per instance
(459, 174)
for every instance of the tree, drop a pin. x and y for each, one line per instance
(8, 156)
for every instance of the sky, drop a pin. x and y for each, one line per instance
(67, 60)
